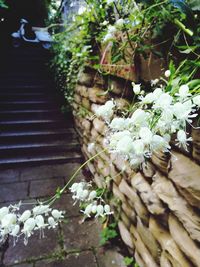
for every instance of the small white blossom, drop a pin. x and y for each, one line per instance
(110, 1)
(196, 100)
(100, 211)
(92, 195)
(91, 147)
(167, 73)
(107, 210)
(119, 124)
(146, 135)
(94, 208)
(3, 211)
(8, 220)
(183, 92)
(106, 111)
(164, 101)
(29, 226)
(52, 223)
(138, 147)
(139, 117)
(136, 88)
(15, 230)
(182, 139)
(41, 209)
(39, 221)
(25, 215)
(119, 23)
(148, 99)
(154, 82)
(88, 210)
(125, 145)
(57, 214)
(81, 10)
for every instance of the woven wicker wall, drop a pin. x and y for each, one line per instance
(160, 216)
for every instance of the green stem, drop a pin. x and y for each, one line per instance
(53, 199)
(183, 27)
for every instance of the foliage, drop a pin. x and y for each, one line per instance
(168, 29)
(2, 4)
(129, 261)
(108, 233)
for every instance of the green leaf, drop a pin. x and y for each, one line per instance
(128, 261)
(194, 5)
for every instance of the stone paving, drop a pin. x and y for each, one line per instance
(73, 243)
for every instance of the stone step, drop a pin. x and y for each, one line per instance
(12, 96)
(41, 159)
(30, 149)
(21, 105)
(31, 136)
(26, 88)
(30, 124)
(32, 114)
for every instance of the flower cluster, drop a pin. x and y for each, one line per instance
(94, 204)
(158, 116)
(15, 224)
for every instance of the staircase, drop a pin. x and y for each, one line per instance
(33, 131)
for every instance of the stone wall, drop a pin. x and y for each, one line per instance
(159, 216)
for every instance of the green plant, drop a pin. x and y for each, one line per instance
(129, 261)
(108, 233)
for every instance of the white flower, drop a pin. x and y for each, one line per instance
(157, 93)
(146, 135)
(114, 138)
(154, 82)
(164, 101)
(196, 100)
(182, 111)
(125, 144)
(148, 99)
(25, 215)
(88, 210)
(111, 29)
(136, 88)
(158, 142)
(135, 162)
(3, 211)
(92, 195)
(39, 221)
(110, 1)
(77, 186)
(119, 23)
(90, 147)
(167, 73)
(81, 10)
(52, 223)
(41, 209)
(29, 226)
(107, 210)
(106, 111)
(183, 91)
(105, 22)
(118, 124)
(138, 147)
(15, 230)
(8, 220)
(100, 211)
(139, 117)
(108, 37)
(94, 208)
(182, 139)
(57, 214)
